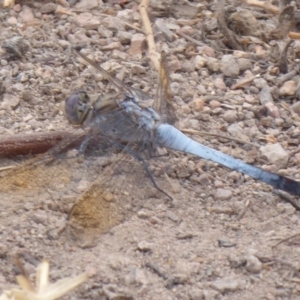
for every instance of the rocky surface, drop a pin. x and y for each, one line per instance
(219, 238)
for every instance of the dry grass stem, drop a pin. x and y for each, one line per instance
(8, 3)
(263, 4)
(43, 289)
(153, 54)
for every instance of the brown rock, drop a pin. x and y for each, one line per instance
(222, 194)
(185, 109)
(213, 64)
(10, 101)
(160, 26)
(208, 51)
(188, 30)
(273, 110)
(199, 62)
(138, 45)
(112, 23)
(87, 4)
(297, 158)
(220, 84)
(17, 8)
(226, 285)
(296, 107)
(250, 99)
(275, 154)
(145, 246)
(214, 104)
(112, 46)
(230, 66)
(253, 264)
(259, 50)
(230, 116)
(26, 14)
(288, 88)
(87, 20)
(48, 8)
(197, 104)
(12, 21)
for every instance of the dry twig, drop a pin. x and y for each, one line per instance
(8, 3)
(30, 144)
(294, 35)
(187, 37)
(43, 289)
(286, 239)
(242, 213)
(230, 36)
(244, 82)
(264, 5)
(153, 54)
(283, 62)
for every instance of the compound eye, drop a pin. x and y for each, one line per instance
(76, 107)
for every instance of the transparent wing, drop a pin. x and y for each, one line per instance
(163, 102)
(122, 189)
(134, 93)
(110, 184)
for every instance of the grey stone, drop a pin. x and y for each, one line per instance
(253, 264)
(230, 116)
(230, 66)
(228, 285)
(222, 194)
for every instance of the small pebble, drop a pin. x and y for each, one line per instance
(197, 104)
(230, 66)
(230, 116)
(222, 194)
(145, 246)
(253, 264)
(200, 62)
(226, 285)
(275, 154)
(288, 88)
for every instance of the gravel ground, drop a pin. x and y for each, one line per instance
(220, 238)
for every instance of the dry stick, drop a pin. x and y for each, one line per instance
(263, 4)
(286, 239)
(6, 168)
(191, 131)
(229, 34)
(285, 77)
(30, 144)
(187, 37)
(153, 54)
(242, 213)
(283, 62)
(294, 35)
(8, 3)
(125, 23)
(244, 81)
(156, 270)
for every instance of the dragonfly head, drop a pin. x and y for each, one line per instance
(78, 108)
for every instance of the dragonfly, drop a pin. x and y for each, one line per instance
(157, 129)
(128, 129)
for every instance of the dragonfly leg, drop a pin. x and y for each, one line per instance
(84, 145)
